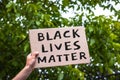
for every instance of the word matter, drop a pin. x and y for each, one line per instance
(59, 57)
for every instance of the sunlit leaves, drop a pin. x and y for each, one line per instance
(103, 36)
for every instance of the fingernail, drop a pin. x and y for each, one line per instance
(36, 52)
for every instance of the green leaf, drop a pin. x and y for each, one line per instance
(38, 23)
(60, 76)
(92, 41)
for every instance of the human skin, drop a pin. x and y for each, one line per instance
(29, 67)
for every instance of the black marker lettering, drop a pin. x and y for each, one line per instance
(42, 60)
(73, 55)
(48, 36)
(75, 34)
(59, 57)
(43, 49)
(67, 46)
(40, 37)
(65, 34)
(52, 58)
(58, 46)
(77, 46)
(66, 56)
(82, 55)
(57, 34)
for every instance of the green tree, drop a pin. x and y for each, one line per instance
(103, 36)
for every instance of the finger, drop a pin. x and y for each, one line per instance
(35, 54)
(29, 55)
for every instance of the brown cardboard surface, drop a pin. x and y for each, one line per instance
(61, 46)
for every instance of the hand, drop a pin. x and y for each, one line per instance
(31, 58)
(30, 63)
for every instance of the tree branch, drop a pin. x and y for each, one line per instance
(22, 41)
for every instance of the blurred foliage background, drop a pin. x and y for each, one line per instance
(103, 36)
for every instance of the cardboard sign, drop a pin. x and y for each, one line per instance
(59, 46)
